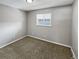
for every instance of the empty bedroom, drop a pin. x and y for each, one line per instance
(38, 29)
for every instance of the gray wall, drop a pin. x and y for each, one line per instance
(12, 24)
(75, 28)
(59, 32)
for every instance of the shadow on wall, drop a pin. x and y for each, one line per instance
(9, 32)
(12, 24)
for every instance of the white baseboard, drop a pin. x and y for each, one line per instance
(73, 53)
(55, 43)
(13, 41)
(49, 41)
(40, 39)
(36, 38)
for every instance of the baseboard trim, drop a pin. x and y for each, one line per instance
(36, 38)
(13, 41)
(73, 53)
(40, 39)
(55, 43)
(49, 41)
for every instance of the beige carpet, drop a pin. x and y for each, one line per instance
(31, 48)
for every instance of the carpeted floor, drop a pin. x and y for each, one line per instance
(31, 48)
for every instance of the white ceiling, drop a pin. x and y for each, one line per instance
(37, 4)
